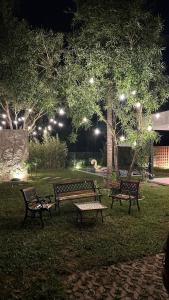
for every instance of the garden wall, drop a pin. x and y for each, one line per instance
(13, 154)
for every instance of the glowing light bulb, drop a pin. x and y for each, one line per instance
(1, 127)
(157, 116)
(91, 80)
(29, 127)
(133, 93)
(135, 143)
(85, 120)
(55, 122)
(34, 133)
(61, 112)
(4, 116)
(39, 128)
(138, 105)
(49, 127)
(122, 138)
(15, 122)
(149, 128)
(60, 124)
(122, 97)
(30, 109)
(97, 131)
(23, 118)
(19, 119)
(3, 122)
(51, 120)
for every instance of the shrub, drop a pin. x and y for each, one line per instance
(50, 154)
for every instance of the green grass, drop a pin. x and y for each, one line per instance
(34, 260)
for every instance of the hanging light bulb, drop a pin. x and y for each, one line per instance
(97, 131)
(91, 80)
(29, 127)
(60, 124)
(30, 109)
(49, 127)
(39, 128)
(122, 97)
(149, 128)
(55, 122)
(15, 122)
(122, 138)
(138, 105)
(157, 116)
(61, 111)
(3, 122)
(4, 116)
(19, 119)
(133, 93)
(51, 120)
(1, 127)
(84, 120)
(34, 133)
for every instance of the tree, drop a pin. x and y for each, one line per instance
(28, 87)
(114, 64)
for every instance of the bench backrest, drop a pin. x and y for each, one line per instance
(130, 187)
(29, 195)
(72, 186)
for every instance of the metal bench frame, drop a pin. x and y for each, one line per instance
(127, 191)
(75, 190)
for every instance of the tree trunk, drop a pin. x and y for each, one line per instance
(116, 167)
(109, 141)
(132, 164)
(8, 114)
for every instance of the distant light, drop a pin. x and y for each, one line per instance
(39, 128)
(135, 143)
(49, 127)
(122, 97)
(61, 112)
(23, 118)
(157, 116)
(51, 120)
(19, 119)
(138, 105)
(60, 124)
(4, 116)
(122, 138)
(15, 122)
(3, 122)
(97, 131)
(29, 127)
(34, 133)
(30, 109)
(91, 80)
(1, 127)
(149, 128)
(54, 122)
(84, 120)
(133, 93)
(45, 130)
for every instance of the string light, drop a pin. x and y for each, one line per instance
(133, 93)
(19, 119)
(55, 122)
(122, 138)
(39, 128)
(30, 109)
(51, 120)
(23, 118)
(29, 127)
(34, 133)
(85, 120)
(157, 116)
(149, 128)
(4, 116)
(49, 127)
(3, 122)
(61, 112)
(60, 124)
(1, 127)
(135, 143)
(91, 80)
(97, 131)
(15, 122)
(138, 105)
(122, 97)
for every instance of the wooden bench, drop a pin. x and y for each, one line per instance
(35, 205)
(75, 190)
(127, 191)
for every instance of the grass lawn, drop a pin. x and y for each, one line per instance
(33, 260)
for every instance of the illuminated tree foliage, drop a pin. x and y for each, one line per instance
(29, 63)
(114, 64)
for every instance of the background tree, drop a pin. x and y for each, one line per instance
(28, 87)
(114, 64)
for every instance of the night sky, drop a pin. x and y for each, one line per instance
(56, 15)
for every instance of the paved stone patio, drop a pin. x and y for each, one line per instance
(140, 279)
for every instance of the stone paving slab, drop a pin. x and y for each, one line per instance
(135, 280)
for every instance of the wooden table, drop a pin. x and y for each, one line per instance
(87, 207)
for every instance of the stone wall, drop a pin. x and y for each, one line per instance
(13, 154)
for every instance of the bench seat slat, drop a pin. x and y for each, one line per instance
(78, 196)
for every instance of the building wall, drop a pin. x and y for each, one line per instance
(161, 157)
(13, 154)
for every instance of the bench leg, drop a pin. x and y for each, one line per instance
(138, 206)
(23, 222)
(129, 207)
(101, 212)
(112, 202)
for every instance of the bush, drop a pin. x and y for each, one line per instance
(50, 154)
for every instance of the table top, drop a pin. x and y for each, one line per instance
(90, 206)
